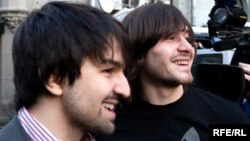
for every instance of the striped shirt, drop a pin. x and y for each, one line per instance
(37, 131)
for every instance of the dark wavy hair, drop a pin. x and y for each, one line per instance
(149, 24)
(55, 40)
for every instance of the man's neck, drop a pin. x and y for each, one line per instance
(161, 95)
(49, 112)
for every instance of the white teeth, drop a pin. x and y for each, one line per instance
(110, 107)
(181, 62)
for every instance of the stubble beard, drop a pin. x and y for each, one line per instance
(86, 120)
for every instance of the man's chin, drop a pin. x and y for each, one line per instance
(108, 129)
(188, 80)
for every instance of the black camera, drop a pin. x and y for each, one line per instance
(226, 20)
(227, 24)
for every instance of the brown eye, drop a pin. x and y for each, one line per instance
(172, 38)
(109, 70)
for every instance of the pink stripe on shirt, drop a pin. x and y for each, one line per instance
(37, 131)
(34, 128)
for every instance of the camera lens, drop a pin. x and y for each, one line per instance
(220, 15)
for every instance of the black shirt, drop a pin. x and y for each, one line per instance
(187, 119)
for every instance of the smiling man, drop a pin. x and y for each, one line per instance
(68, 73)
(164, 106)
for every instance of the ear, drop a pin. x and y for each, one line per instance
(53, 86)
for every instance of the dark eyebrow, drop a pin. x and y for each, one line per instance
(185, 29)
(113, 62)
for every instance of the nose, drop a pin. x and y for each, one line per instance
(185, 45)
(122, 87)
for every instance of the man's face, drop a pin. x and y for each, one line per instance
(169, 61)
(90, 101)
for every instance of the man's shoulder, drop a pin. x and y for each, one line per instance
(207, 95)
(217, 106)
(212, 101)
(13, 130)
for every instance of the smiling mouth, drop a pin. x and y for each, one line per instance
(181, 62)
(109, 111)
(109, 106)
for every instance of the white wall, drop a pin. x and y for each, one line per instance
(201, 10)
(196, 11)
